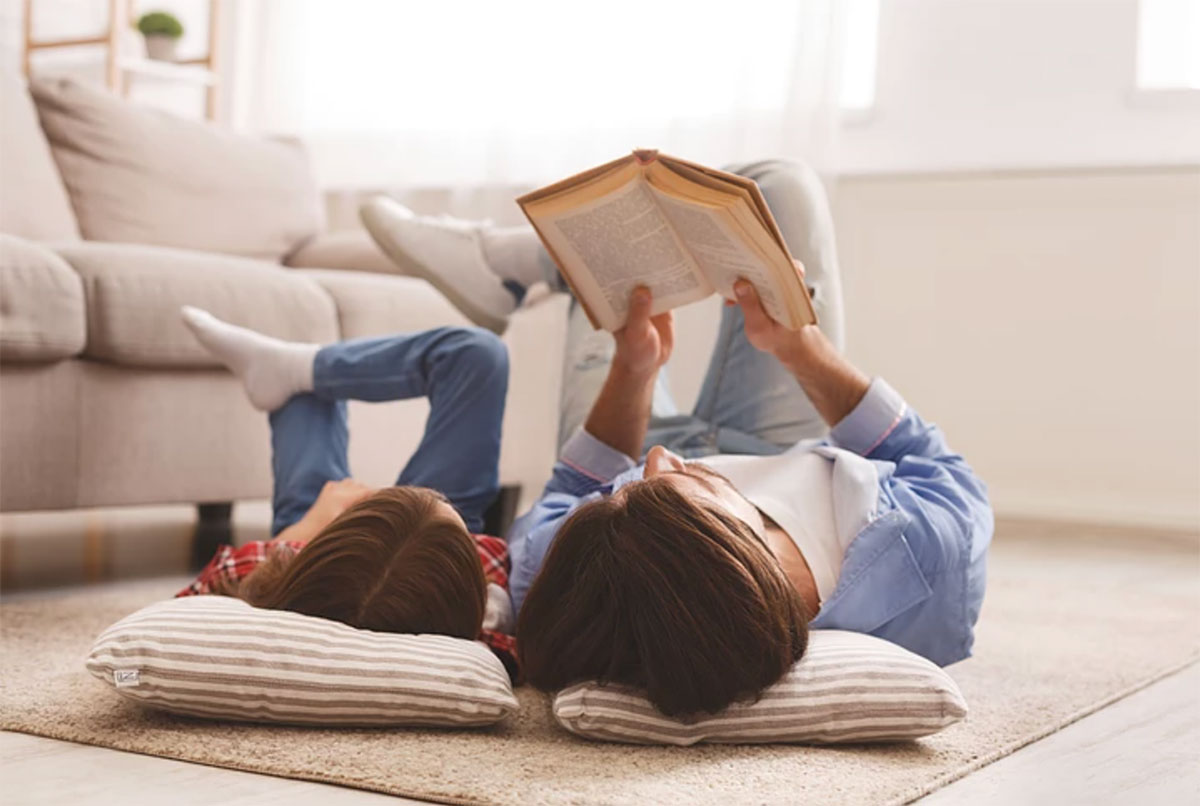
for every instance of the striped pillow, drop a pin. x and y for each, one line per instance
(218, 657)
(848, 687)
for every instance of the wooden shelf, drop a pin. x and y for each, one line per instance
(203, 71)
(191, 72)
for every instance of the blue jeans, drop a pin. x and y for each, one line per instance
(748, 403)
(464, 374)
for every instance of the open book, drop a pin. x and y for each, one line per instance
(682, 230)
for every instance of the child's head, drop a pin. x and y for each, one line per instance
(401, 560)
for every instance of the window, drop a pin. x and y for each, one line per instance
(860, 55)
(1168, 53)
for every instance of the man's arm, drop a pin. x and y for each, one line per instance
(833, 384)
(930, 482)
(621, 413)
(605, 447)
(611, 439)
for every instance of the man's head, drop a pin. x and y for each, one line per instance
(666, 586)
(401, 560)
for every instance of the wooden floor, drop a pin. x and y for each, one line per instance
(1143, 750)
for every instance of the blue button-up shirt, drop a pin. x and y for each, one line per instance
(914, 574)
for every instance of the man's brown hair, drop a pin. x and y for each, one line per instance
(651, 589)
(393, 562)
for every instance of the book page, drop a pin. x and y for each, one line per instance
(620, 170)
(615, 243)
(723, 180)
(749, 223)
(710, 234)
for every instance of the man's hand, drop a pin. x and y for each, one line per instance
(765, 333)
(833, 384)
(789, 346)
(646, 341)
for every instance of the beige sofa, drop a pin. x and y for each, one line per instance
(115, 215)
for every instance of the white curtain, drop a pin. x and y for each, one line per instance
(461, 93)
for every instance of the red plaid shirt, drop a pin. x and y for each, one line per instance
(232, 565)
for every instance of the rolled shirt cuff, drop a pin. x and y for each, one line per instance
(875, 416)
(591, 457)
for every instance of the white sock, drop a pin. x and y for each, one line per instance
(272, 370)
(513, 253)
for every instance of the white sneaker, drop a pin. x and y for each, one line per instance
(447, 252)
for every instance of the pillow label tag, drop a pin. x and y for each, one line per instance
(126, 678)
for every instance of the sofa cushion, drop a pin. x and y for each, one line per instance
(140, 175)
(134, 292)
(33, 201)
(346, 249)
(41, 304)
(375, 305)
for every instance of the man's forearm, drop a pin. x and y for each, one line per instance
(621, 413)
(833, 384)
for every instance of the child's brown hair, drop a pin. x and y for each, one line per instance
(393, 562)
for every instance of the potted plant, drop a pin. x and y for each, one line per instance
(162, 32)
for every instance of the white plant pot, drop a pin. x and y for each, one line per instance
(161, 47)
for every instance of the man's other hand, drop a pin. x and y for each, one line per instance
(645, 342)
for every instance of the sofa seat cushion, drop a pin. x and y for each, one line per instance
(134, 293)
(41, 304)
(346, 249)
(379, 305)
(141, 175)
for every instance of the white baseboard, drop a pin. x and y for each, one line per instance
(1159, 515)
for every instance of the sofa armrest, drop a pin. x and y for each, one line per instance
(345, 250)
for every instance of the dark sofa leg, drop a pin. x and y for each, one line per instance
(503, 511)
(214, 526)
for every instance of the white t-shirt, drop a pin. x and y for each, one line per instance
(795, 489)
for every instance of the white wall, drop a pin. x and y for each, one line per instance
(1049, 321)
(988, 84)
(1020, 237)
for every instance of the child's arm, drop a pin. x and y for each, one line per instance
(334, 499)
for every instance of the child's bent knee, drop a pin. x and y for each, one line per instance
(481, 349)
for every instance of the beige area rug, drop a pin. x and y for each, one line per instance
(1072, 621)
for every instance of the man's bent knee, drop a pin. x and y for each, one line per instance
(788, 176)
